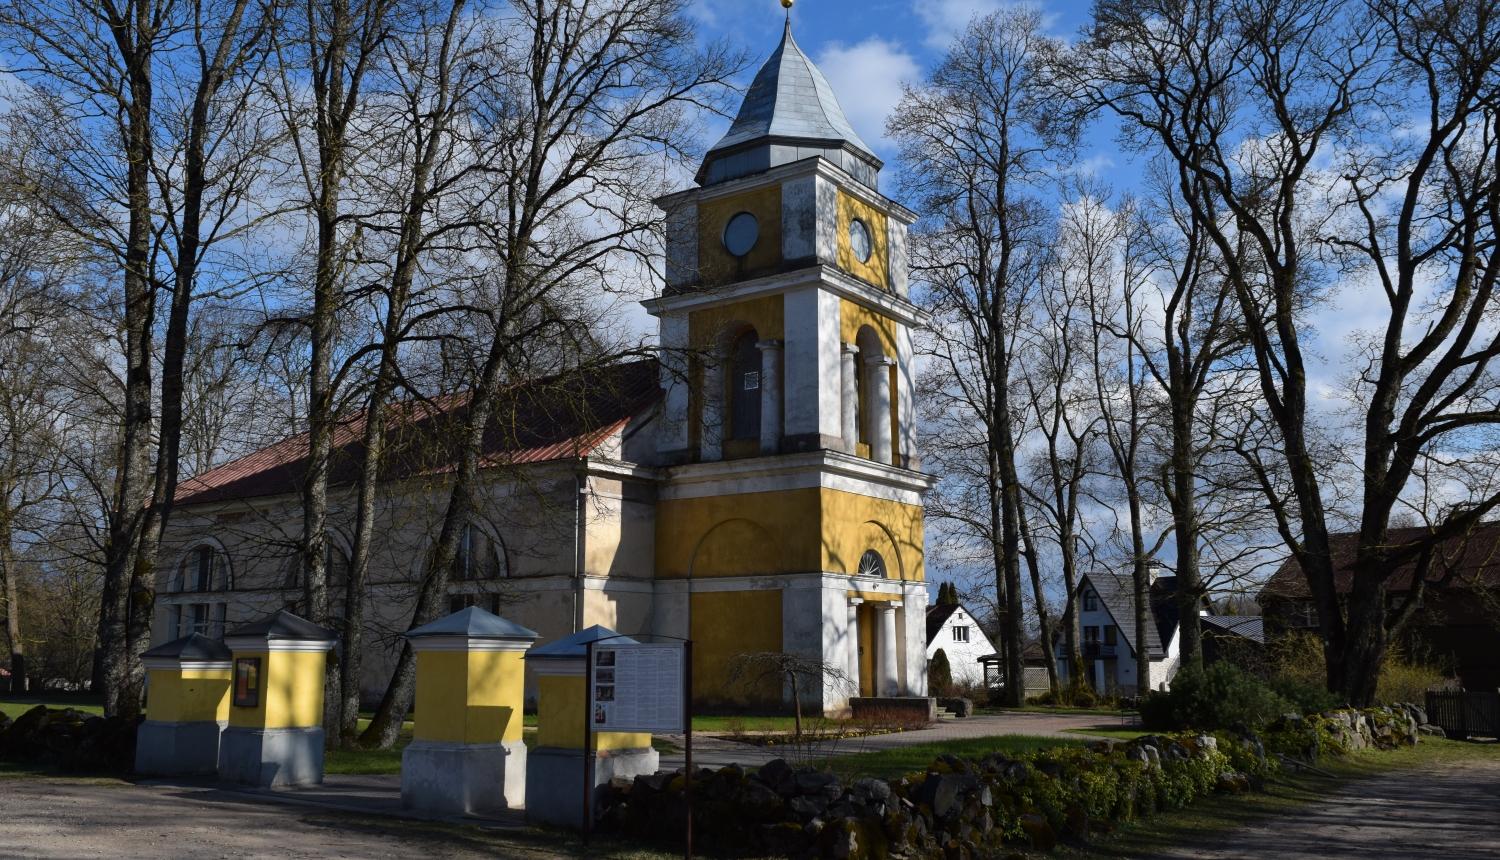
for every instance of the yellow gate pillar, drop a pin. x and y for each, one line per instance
(275, 734)
(187, 707)
(554, 778)
(467, 753)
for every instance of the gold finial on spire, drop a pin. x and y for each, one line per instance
(786, 4)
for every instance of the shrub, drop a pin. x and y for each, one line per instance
(939, 675)
(1404, 679)
(1212, 698)
(1306, 698)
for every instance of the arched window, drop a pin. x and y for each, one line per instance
(871, 564)
(744, 386)
(335, 567)
(199, 571)
(478, 557)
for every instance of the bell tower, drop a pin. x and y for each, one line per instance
(789, 516)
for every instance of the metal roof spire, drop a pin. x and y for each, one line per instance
(790, 113)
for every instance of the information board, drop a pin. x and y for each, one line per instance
(637, 688)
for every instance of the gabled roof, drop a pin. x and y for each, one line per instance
(1251, 627)
(937, 616)
(283, 627)
(574, 647)
(550, 419)
(475, 623)
(194, 646)
(1475, 556)
(1117, 595)
(791, 113)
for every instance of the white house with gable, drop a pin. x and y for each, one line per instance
(1106, 622)
(955, 630)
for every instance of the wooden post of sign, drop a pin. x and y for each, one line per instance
(687, 719)
(588, 740)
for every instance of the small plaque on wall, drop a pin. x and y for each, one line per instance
(247, 682)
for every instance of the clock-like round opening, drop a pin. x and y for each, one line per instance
(860, 242)
(741, 234)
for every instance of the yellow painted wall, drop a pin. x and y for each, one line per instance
(716, 264)
(727, 623)
(767, 315)
(469, 697)
(877, 270)
(786, 531)
(846, 535)
(786, 521)
(559, 718)
(193, 696)
(291, 692)
(853, 317)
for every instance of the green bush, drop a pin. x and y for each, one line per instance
(1306, 698)
(1209, 699)
(939, 675)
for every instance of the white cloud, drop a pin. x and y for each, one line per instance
(867, 78)
(947, 18)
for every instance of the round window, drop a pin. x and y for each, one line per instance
(871, 564)
(859, 241)
(741, 233)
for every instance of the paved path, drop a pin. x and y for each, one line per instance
(713, 752)
(104, 820)
(1452, 814)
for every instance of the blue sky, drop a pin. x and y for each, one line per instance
(867, 48)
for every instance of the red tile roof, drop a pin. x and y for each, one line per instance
(550, 419)
(1476, 557)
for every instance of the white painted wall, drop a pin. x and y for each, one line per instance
(963, 657)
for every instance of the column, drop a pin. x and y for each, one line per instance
(878, 377)
(467, 753)
(770, 396)
(853, 668)
(889, 683)
(850, 386)
(711, 447)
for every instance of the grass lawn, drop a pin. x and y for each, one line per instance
(389, 761)
(16, 706)
(1283, 796)
(888, 764)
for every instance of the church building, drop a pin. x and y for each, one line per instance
(756, 489)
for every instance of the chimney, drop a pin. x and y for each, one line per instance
(1153, 572)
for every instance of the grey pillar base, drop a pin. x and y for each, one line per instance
(554, 779)
(459, 779)
(177, 749)
(271, 758)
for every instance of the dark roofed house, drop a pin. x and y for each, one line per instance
(954, 629)
(1457, 622)
(1239, 639)
(1107, 628)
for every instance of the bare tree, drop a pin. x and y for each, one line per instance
(795, 672)
(585, 106)
(975, 141)
(1247, 99)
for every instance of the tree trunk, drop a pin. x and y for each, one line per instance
(120, 675)
(12, 609)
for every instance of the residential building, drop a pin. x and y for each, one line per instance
(954, 629)
(1107, 633)
(1456, 624)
